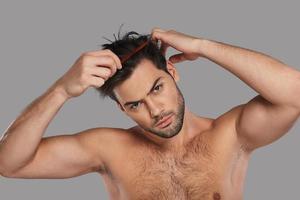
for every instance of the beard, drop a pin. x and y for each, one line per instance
(176, 125)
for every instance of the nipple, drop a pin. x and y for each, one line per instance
(217, 196)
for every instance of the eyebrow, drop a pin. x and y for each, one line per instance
(152, 88)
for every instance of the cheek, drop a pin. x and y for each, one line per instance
(171, 98)
(141, 118)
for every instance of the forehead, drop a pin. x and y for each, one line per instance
(139, 83)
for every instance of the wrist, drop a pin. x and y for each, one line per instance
(60, 92)
(201, 45)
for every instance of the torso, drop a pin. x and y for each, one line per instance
(211, 166)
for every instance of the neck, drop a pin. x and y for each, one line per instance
(189, 129)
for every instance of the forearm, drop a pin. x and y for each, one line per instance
(22, 137)
(272, 79)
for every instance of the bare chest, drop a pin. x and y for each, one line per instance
(164, 177)
(198, 171)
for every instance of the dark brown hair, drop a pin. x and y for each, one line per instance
(123, 47)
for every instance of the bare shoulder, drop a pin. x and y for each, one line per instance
(224, 127)
(105, 132)
(229, 116)
(105, 136)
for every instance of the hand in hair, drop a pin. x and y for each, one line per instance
(90, 69)
(187, 45)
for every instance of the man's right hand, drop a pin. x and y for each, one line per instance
(90, 69)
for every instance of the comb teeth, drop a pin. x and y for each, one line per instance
(124, 59)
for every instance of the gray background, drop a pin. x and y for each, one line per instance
(40, 40)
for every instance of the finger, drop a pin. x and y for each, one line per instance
(163, 48)
(106, 61)
(99, 57)
(177, 58)
(158, 29)
(96, 81)
(157, 34)
(106, 52)
(102, 72)
(167, 39)
(116, 58)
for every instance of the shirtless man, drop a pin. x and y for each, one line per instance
(171, 153)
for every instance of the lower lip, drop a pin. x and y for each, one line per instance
(165, 123)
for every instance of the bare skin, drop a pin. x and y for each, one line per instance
(190, 157)
(210, 165)
(205, 160)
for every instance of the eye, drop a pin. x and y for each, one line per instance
(157, 88)
(134, 106)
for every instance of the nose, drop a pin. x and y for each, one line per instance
(155, 109)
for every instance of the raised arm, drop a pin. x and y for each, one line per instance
(270, 114)
(22, 141)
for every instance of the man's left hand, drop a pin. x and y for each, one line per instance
(189, 46)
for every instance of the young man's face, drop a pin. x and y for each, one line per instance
(150, 94)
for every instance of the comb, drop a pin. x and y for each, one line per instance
(125, 58)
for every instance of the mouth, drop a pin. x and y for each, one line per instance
(165, 121)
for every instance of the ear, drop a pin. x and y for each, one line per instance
(172, 70)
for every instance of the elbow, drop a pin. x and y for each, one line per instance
(5, 174)
(297, 91)
(8, 174)
(5, 171)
